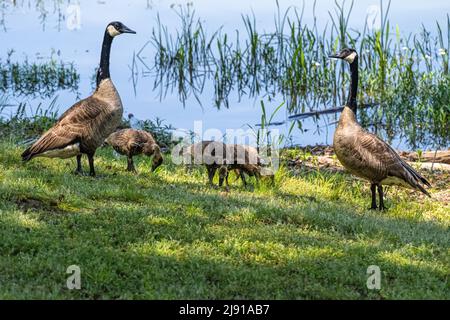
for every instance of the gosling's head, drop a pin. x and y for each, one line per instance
(223, 175)
(223, 171)
(267, 174)
(157, 161)
(346, 54)
(115, 28)
(152, 149)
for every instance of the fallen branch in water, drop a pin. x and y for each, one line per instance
(305, 115)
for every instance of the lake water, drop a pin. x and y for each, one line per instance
(79, 39)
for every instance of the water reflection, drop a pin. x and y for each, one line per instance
(36, 80)
(145, 100)
(292, 63)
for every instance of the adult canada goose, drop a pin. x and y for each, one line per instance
(131, 142)
(363, 153)
(84, 127)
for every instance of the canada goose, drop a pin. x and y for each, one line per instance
(131, 142)
(84, 127)
(363, 153)
(218, 156)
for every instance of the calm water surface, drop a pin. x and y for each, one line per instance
(80, 41)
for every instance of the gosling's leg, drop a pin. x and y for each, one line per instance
(241, 174)
(227, 188)
(211, 173)
(257, 179)
(373, 188)
(131, 167)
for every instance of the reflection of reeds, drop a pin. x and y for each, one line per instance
(401, 74)
(37, 79)
(42, 7)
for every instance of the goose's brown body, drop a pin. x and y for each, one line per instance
(83, 127)
(131, 142)
(367, 156)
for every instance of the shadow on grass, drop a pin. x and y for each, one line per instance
(154, 237)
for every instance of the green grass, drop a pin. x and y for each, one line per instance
(167, 235)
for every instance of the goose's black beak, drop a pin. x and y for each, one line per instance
(125, 29)
(335, 56)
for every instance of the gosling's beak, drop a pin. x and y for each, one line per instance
(125, 29)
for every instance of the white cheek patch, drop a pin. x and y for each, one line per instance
(350, 57)
(113, 31)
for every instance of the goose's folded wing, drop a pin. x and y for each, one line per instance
(70, 127)
(382, 157)
(55, 138)
(83, 112)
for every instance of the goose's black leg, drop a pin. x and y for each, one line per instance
(91, 165)
(131, 167)
(79, 168)
(380, 193)
(373, 188)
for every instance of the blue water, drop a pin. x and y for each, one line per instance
(81, 43)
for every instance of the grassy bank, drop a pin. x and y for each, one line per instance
(167, 235)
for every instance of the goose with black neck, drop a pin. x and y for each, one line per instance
(365, 154)
(84, 126)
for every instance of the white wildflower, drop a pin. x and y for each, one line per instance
(442, 52)
(316, 64)
(405, 48)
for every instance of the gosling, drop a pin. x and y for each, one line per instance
(221, 157)
(131, 142)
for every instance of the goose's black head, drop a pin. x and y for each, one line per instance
(115, 28)
(346, 54)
